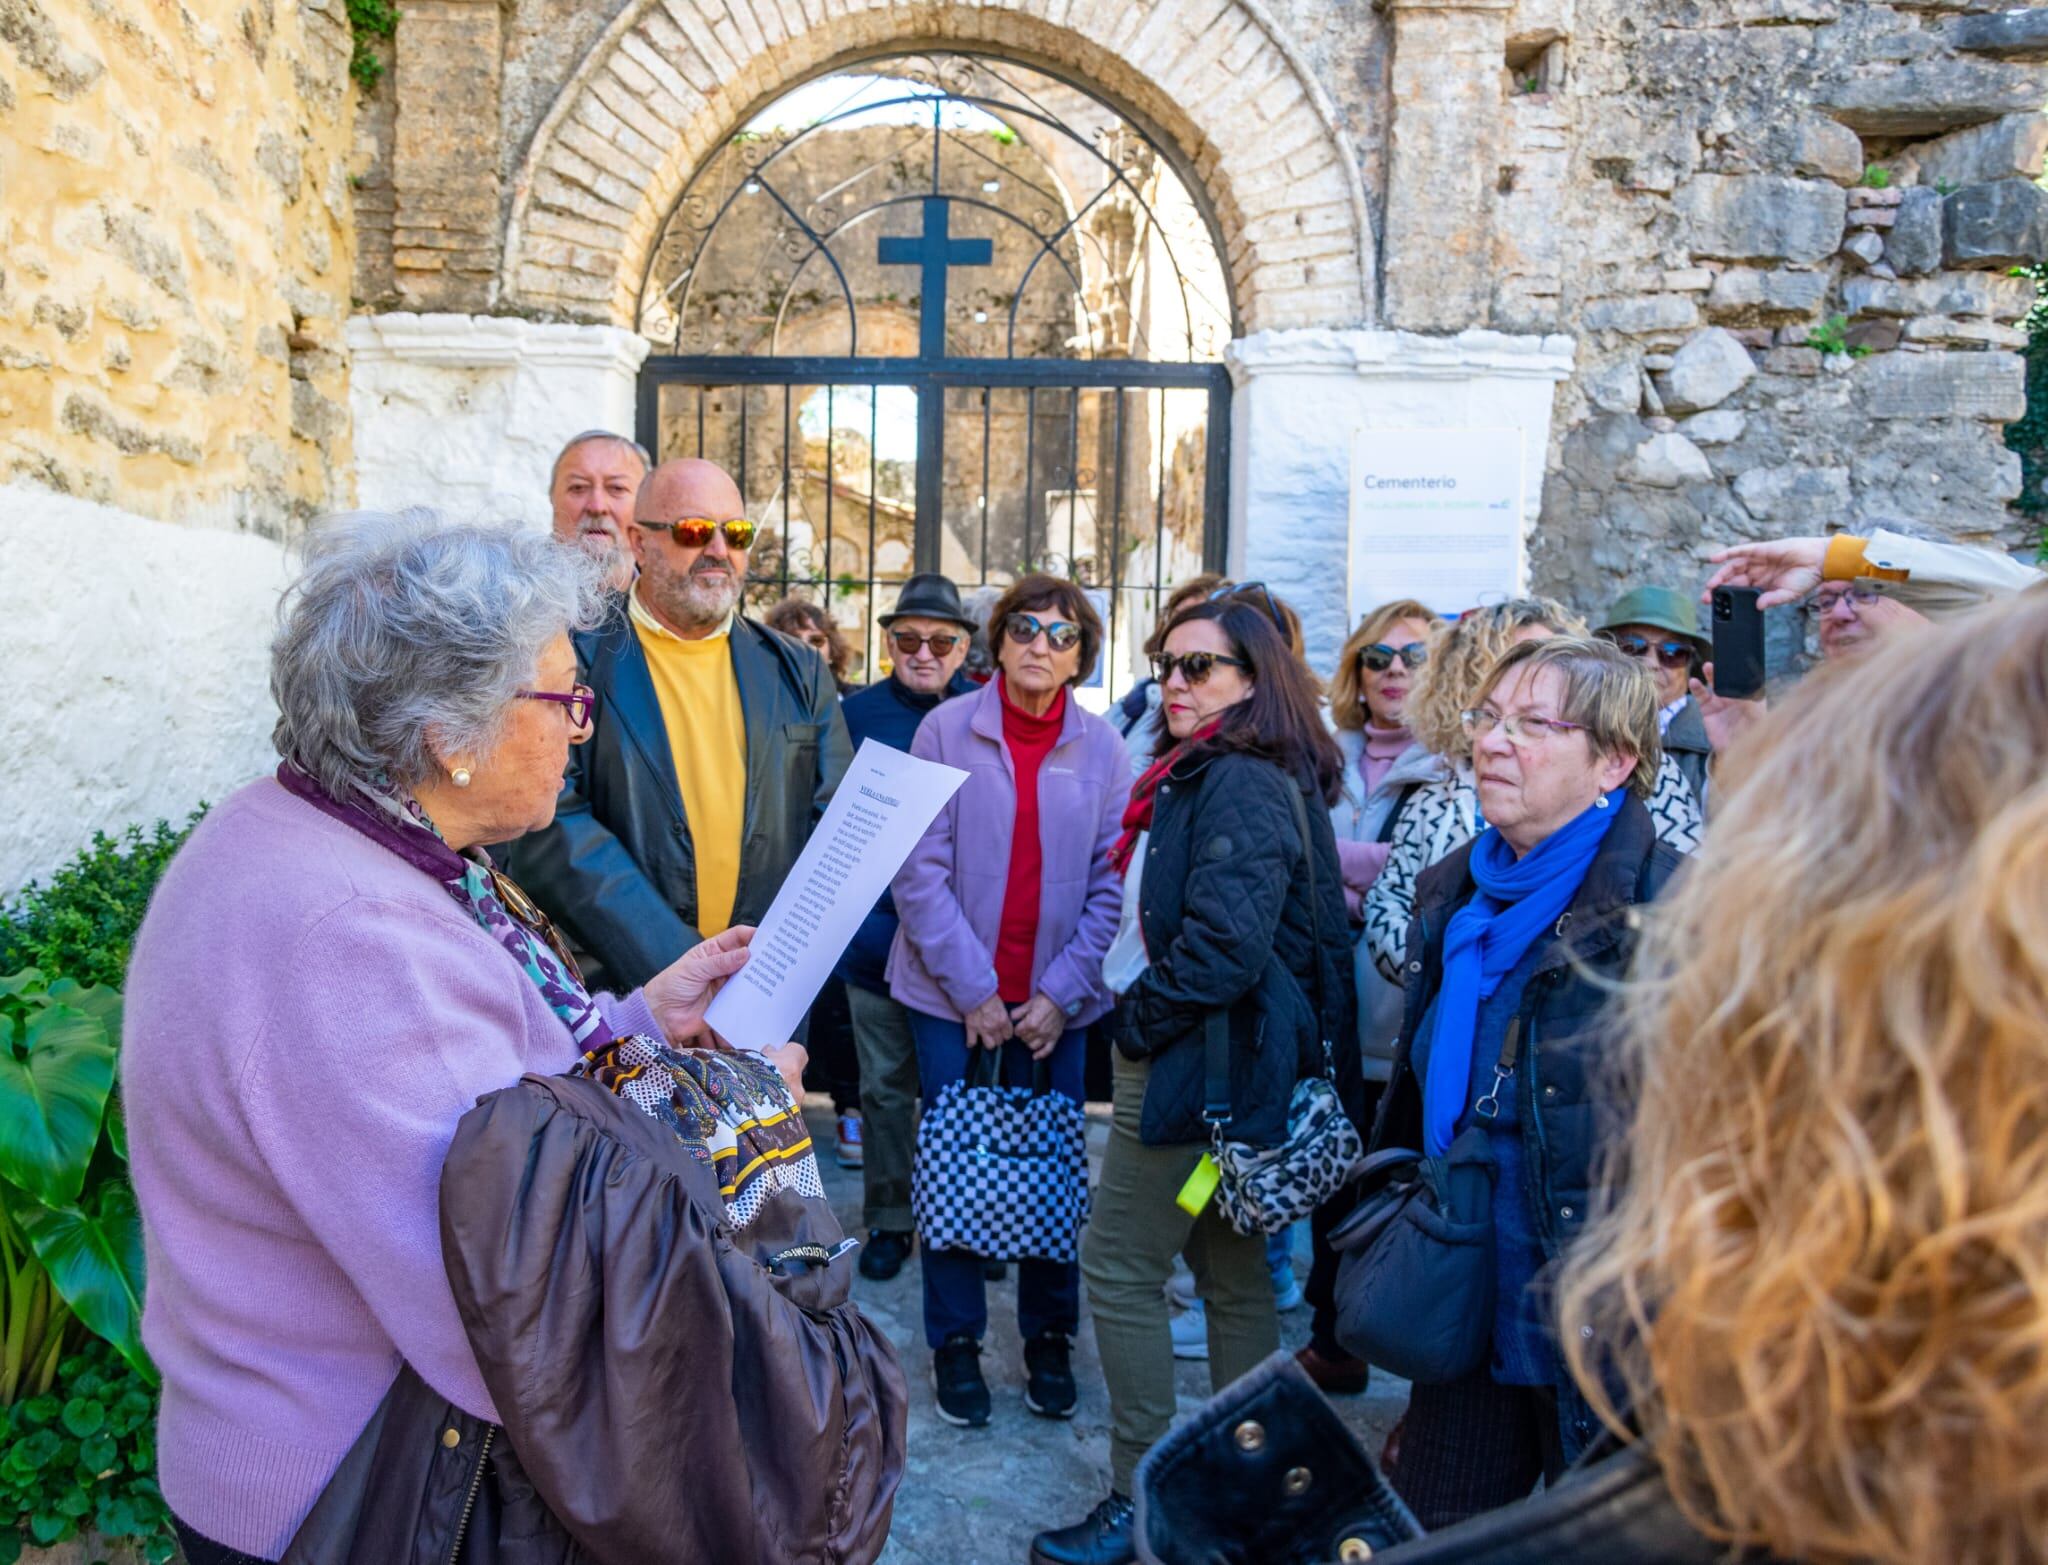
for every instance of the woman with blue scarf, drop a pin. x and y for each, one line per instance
(1517, 942)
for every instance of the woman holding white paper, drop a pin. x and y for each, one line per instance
(1007, 906)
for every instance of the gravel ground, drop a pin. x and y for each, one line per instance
(975, 1496)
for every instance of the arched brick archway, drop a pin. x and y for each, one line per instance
(670, 79)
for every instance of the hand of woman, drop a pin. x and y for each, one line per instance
(679, 994)
(1038, 1023)
(1785, 569)
(790, 1059)
(988, 1024)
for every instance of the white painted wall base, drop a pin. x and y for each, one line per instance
(1301, 396)
(466, 413)
(138, 668)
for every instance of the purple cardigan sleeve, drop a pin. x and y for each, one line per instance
(1074, 976)
(630, 1013)
(932, 920)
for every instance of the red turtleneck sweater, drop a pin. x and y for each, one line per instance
(1030, 740)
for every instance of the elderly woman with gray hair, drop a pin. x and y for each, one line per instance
(331, 974)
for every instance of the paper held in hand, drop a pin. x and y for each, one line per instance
(881, 808)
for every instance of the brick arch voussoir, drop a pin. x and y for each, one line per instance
(670, 80)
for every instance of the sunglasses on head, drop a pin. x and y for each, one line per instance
(1245, 589)
(1195, 666)
(1379, 657)
(1674, 653)
(1060, 634)
(906, 642)
(694, 532)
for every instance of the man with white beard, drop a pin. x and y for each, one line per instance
(715, 746)
(591, 491)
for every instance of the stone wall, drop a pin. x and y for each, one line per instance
(1782, 231)
(175, 254)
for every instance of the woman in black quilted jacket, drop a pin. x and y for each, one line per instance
(1217, 916)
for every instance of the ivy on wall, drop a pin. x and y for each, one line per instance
(2029, 435)
(371, 21)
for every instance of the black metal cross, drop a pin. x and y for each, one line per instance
(934, 250)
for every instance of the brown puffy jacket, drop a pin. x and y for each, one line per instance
(670, 1389)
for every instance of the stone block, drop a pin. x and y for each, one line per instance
(1690, 279)
(1873, 336)
(1794, 494)
(1793, 361)
(1934, 385)
(1913, 247)
(1948, 330)
(2015, 146)
(1817, 148)
(2010, 35)
(1615, 388)
(1952, 293)
(1721, 427)
(1762, 217)
(2001, 224)
(1865, 247)
(1643, 314)
(1665, 461)
(1742, 294)
(1933, 96)
(1706, 372)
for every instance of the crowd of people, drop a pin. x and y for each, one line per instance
(1465, 877)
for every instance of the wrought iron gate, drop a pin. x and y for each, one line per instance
(993, 433)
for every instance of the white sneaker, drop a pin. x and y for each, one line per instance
(1180, 1291)
(1287, 1294)
(1191, 1333)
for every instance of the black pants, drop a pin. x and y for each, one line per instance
(1472, 1445)
(204, 1551)
(835, 1063)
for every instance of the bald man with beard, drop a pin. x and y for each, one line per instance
(716, 745)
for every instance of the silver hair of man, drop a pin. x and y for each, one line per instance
(406, 638)
(584, 439)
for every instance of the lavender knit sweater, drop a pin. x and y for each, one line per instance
(307, 1018)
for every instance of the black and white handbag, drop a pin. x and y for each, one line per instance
(1001, 1172)
(1261, 1190)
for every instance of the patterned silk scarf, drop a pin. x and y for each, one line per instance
(505, 912)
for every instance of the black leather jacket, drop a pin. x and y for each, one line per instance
(617, 868)
(1266, 1473)
(1563, 1012)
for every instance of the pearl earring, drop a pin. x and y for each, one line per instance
(1598, 804)
(460, 777)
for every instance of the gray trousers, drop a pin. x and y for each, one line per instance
(888, 1106)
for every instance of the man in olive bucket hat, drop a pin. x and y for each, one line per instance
(1659, 627)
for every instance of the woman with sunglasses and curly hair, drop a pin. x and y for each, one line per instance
(1007, 905)
(1231, 883)
(1442, 816)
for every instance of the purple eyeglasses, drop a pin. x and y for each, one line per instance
(581, 702)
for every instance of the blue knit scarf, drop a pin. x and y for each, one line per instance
(1517, 901)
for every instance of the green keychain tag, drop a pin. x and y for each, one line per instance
(1201, 1185)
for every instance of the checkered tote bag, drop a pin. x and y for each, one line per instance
(1001, 1172)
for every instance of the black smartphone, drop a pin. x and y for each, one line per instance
(1738, 643)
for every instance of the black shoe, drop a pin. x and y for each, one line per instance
(1105, 1538)
(882, 1257)
(994, 1271)
(1048, 1376)
(956, 1377)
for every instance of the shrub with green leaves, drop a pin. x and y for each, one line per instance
(82, 1455)
(82, 923)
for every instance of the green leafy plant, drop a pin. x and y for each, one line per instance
(370, 22)
(1876, 177)
(82, 923)
(83, 1455)
(1943, 188)
(1831, 337)
(70, 1237)
(2028, 435)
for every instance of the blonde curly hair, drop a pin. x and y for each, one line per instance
(1461, 655)
(1823, 1283)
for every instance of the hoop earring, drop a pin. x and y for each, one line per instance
(460, 777)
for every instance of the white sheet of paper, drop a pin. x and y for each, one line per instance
(876, 816)
(1436, 514)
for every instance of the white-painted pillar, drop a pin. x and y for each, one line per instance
(1299, 398)
(466, 413)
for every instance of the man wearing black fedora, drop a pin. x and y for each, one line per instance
(925, 639)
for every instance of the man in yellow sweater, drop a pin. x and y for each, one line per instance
(716, 744)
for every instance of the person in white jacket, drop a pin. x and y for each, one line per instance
(1787, 569)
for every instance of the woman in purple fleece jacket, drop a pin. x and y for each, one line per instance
(330, 975)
